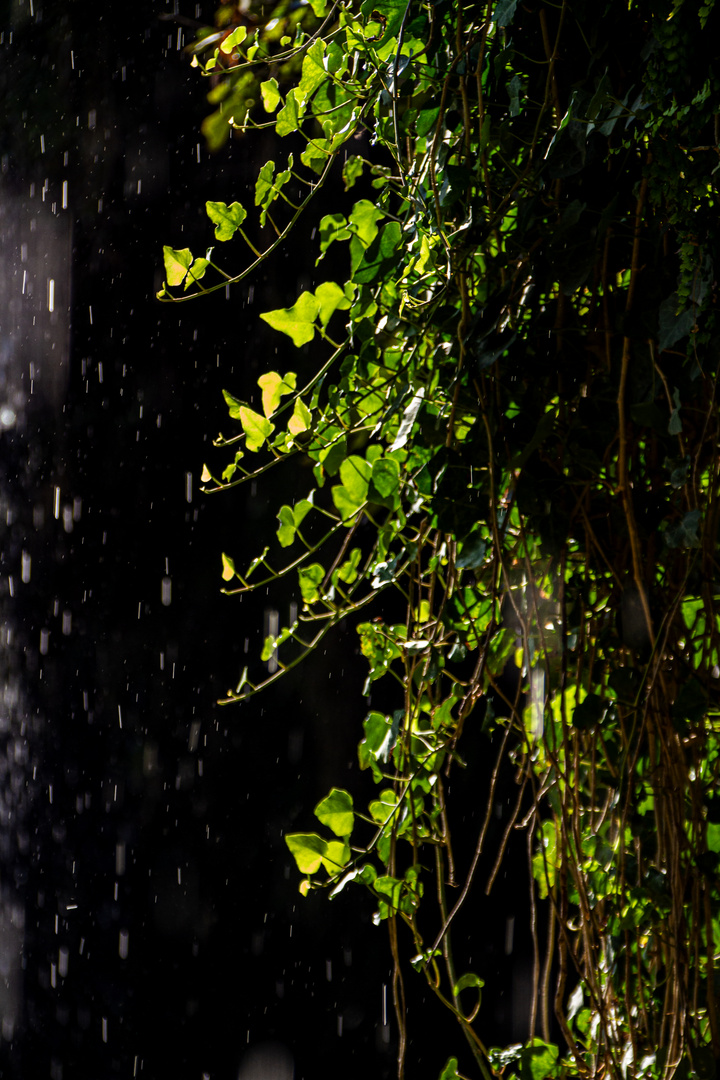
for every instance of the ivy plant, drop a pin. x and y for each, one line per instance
(513, 429)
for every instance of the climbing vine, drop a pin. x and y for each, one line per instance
(513, 430)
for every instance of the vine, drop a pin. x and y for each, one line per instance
(514, 429)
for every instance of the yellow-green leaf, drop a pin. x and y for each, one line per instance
(227, 219)
(300, 419)
(177, 264)
(256, 427)
(270, 95)
(298, 321)
(273, 387)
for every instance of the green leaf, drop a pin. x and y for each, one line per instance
(365, 216)
(270, 95)
(177, 264)
(351, 494)
(291, 518)
(330, 298)
(273, 387)
(352, 171)
(348, 571)
(307, 849)
(315, 155)
(310, 851)
(230, 43)
(196, 271)
(298, 321)
(332, 227)
(310, 579)
(319, 7)
(538, 1061)
(228, 568)
(301, 419)
(386, 475)
(450, 1072)
(467, 981)
(382, 257)
(227, 219)
(313, 70)
(336, 811)
(289, 117)
(256, 427)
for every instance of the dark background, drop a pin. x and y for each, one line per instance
(150, 922)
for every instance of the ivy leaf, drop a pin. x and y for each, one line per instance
(298, 321)
(332, 227)
(386, 475)
(336, 811)
(380, 259)
(256, 427)
(301, 418)
(465, 982)
(270, 95)
(538, 1061)
(291, 518)
(351, 494)
(289, 117)
(352, 171)
(450, 1072)
(310, 851)
(196, 271)
(310, 579)
(273, 387)
(231, 42)
(316, 153)
(319, 7)
(313, 70)
(177, 264)
(228, 568)
(330, 298)
(365, 216)
(227, 219)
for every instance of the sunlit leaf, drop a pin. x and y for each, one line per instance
(256, 427)
(352, 171)
(336, 811)
(177, 264)
(270, 95)
(313, 69)
(330, 298)
(289, 117)
(235, 38)
(273, 387)
(310, 579)
(298, 321)
(227, 219)
(301, 418)
(228, 568)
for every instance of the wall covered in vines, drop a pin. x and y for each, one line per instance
(507, 402)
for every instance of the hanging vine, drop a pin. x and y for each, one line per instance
(514, 426)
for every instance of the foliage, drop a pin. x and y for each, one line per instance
(513, 427)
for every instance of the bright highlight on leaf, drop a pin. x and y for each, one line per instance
(227, 219)
(336, 811)
(177, 264)
(273, 388)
